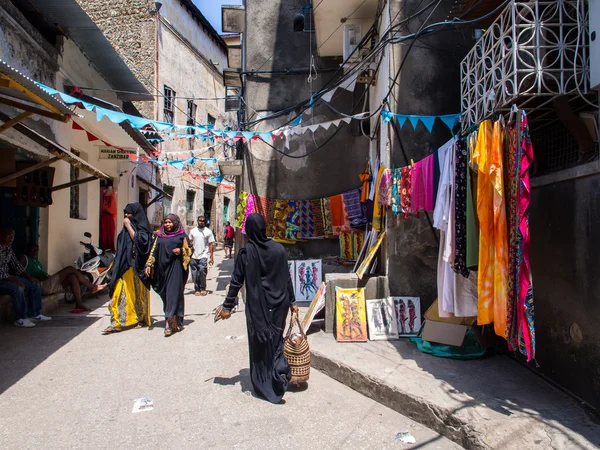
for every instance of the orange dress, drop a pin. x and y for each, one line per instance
(485, 213)
(500, 230)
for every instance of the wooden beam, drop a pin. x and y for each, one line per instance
(12, 84)
(155, 199)
(20, 173)
(73, 183)
(15, 120)
(33, 109)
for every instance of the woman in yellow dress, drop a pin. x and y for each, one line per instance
(129, 286)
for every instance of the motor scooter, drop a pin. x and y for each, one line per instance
(96, 264)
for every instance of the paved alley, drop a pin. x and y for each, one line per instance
(65, 385)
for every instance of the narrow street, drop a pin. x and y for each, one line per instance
(65, 385)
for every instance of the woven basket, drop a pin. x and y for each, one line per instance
(297, 352)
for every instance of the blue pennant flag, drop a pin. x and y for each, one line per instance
(386, 116)
(401, 119)
(297, 121)
(231, 134)
(414, 120)
(266, 136)
(450, 120)
(248, 134)
(428, 121)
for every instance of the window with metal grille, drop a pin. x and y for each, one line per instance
(169, 107)
(189, 206)
(74, 190)
(167, 202)
(191, 121)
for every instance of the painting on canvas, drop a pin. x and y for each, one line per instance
(309, 275)
(381, 316)
(350, 315)
(292, 270)
(408, 312)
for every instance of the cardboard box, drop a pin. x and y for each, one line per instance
(452, 330)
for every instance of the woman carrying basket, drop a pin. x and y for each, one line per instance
(262, 265)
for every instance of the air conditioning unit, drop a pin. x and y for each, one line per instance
(352, 37)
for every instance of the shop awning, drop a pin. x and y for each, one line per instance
(21, 92)
(57, 150)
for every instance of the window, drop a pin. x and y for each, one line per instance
(169, 108)
(77, 193)
(189, 206)
(167, 202)
(191, 121)
(210, 120)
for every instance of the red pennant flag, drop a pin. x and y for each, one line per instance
(76, 126)
(91, 137)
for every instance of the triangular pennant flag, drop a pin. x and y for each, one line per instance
(413, 121)
(347, 120)
(230, 134)
(297, 121)
(450, 120)
(313, 128)
(401, 119)
(350, 83)
(386, 116)
(177, 165)
(76, 126)
(256, 137)
(91, 137)
(266, 136)
(327, 96)
(428, 121)
(248, 134)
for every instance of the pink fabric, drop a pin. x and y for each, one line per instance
(415, 188)
(427, 177)
(249, 210)
(385, 188)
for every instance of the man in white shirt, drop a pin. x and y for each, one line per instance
(203, 242)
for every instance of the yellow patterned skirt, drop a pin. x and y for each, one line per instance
(130, 303)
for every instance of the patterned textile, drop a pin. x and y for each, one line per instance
(278, 212)
(262, 207)
(460, 198)
(241, 210)
(415, 188)
(339, 216)
(326, 211)
(359, 241)
(427, 178)
(130, 303)
(318, 219)
(385, 188)
(292, 226)
(305, 220)
(526, 308)
(354, 208)
(405, 190)
(378, 211)
(396, 181)
(346, 246)
(250, 202)
(366, 180)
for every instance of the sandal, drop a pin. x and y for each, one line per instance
(168, 332)
(110, 330)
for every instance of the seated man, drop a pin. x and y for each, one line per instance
(68, 278)
(27, 308)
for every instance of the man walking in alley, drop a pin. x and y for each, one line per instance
(229, 233)
(203, 241)
(22, 287)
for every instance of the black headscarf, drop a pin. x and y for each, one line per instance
(132, 253)
(267, 278)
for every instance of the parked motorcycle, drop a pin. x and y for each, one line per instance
(96, 264)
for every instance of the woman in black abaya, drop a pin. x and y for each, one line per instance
(262, 265)
(170, 258)
(129, 287)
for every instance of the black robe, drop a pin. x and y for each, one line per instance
(132, 252)
(169, 276)
(262, 266)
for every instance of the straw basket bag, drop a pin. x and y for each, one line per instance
(297, 352)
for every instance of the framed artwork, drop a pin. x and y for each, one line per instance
(364, 266)
(350, 315)
(309, 275)
(317, 304)
(408, 313)
(381, 316)
(292, 270)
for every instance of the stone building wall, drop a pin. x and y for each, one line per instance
(130, 27)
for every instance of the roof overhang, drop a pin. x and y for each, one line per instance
(79, 27)
(231, 167)
(329, 17)
(19, 91)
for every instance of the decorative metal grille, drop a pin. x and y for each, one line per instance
(533, 52)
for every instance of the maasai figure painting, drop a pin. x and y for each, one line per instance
(350, 314)
(309, 275)
(292, 270)
(381, 316)
(408, 313)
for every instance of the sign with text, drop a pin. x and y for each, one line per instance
(113, 153)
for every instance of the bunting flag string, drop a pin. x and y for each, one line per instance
(428, 121)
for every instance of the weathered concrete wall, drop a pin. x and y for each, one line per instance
(429, 84)
(130, 28)
(335, 157)
(565, 238)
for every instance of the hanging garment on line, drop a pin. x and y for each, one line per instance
(460, 198)
(472, 223)
(405, 182)
(385, 188)
(378, 211)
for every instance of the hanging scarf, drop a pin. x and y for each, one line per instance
(366, 179)
(378, 211)
(385, 188)
(177, 228)
(405, 183)
(396, 181)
